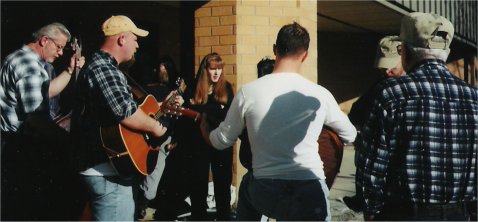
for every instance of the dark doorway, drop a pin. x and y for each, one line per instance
(170, 25)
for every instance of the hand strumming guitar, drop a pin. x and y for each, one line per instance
(158, 130)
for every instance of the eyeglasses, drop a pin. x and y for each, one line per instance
(58, 46)
(399, 49)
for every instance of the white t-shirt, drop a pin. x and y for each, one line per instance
(284, 114)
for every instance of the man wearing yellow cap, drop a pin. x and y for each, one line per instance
(418, 156)
(103, 98)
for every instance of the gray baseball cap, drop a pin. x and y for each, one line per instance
(387, 54)
(425, 30)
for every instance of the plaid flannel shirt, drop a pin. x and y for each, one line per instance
(106, 89)
(24, 87)
(102, 98)
(422, 133)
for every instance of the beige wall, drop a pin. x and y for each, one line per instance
(257, 25)
(215, 31)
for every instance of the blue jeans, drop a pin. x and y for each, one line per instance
(151, 181)
(290, 200)
(111, 198)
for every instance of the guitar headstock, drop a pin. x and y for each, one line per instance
(170, 108)
(181, 85)
(76, 45)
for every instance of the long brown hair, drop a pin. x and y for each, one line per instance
(202, 87)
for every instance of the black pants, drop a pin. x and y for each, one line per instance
(220, 162)
(37, 183)
(402, 211)
(173, 186)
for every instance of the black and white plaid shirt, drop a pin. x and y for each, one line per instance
(422, 133)
(106, 89)
(102, 98)
(24, 86)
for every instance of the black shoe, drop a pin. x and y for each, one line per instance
(354, 203)
(139, 214)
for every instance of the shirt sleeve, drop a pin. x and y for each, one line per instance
(338, 121)
(228, 131)
(116, 93)
(374, 157)
(30, 90)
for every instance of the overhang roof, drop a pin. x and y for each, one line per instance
(384, 17)
(357, 16)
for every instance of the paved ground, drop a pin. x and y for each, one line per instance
(343, 186)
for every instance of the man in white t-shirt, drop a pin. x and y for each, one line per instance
(284, 114)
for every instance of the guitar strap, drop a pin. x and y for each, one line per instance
(138, 92)
(113, 154)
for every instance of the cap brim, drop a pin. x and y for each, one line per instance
(140, 32)
(387, 62)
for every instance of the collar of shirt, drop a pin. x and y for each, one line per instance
(34, 53)
(427, 62)
(109, 56)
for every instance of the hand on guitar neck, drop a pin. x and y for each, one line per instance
(172, 105)
(79, 61)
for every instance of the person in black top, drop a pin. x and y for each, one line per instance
(164, 80)
(213, 96)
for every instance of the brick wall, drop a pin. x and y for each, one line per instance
(257, 25)
(243, 32)
(215, 31)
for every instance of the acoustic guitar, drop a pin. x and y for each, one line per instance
(133, 152)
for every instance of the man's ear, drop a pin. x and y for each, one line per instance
(304, 55)
(121, 40)
(388, 73)
(43, 40)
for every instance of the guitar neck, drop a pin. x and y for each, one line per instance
(78, 55)
(191, 114)
(168, 103)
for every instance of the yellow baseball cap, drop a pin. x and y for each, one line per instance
(387, 54)
(425, 30)
(119, 23)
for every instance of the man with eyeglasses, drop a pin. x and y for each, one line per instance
(28, 154)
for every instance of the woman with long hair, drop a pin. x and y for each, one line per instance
(212, 95)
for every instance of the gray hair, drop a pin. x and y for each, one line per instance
(417, 54)
(52, 31)
(423, 53)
